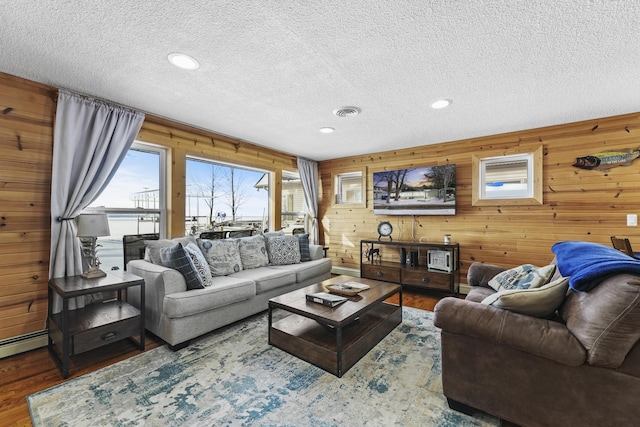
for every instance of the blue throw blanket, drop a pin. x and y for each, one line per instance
(588, 264)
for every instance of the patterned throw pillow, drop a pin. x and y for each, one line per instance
(539, 302)
(200, 262)
(283, 250)
(177, 258)
(253, 252)
(522, 277)
(305, 254)
(223, 256)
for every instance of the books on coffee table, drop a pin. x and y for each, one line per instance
(325, 298)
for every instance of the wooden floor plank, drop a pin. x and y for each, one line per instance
(30, 372)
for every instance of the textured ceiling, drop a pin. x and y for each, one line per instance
(272, 71)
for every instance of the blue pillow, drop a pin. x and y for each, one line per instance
(305, 254)
(177, 258)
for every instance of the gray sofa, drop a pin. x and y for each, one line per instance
(177, 315)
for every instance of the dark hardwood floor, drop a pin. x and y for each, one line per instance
(27, 373)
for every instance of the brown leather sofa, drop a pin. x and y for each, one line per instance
(579, 368)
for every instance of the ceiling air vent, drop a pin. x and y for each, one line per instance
(346, 111)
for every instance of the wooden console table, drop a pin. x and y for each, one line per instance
(76, 331)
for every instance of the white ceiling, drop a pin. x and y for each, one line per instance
(272, 71)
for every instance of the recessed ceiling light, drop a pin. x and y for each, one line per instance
(346, 111)
(183, 61)
(441, 103)
(326, 130)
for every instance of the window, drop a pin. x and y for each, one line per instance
(134, 201)
(294, 218)
(348, 188)
(222, 196)
(510, 179)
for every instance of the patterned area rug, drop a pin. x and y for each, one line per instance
(232, 377)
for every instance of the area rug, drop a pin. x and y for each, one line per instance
(232, 377)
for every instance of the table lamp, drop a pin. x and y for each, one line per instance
(90, 227)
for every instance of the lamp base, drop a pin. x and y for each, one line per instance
(93, 274)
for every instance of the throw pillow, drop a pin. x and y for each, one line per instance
(177, 258)
(200, 262)
(522, 277)
(305, 254)
(223, 255)
(283, 250)
(538, 302)
(253, 252)
(152, 251)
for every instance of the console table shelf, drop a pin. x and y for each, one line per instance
(430, 266)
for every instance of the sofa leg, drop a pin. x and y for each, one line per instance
(461, 407)
(178, 346)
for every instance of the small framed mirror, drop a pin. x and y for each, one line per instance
(514, 179)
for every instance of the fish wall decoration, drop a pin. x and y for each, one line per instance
(606, 160)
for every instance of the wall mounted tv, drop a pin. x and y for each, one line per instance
(425, 190)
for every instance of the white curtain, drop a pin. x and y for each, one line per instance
(90, 141)
(308, 170)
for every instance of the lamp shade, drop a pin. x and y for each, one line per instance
(93, 225)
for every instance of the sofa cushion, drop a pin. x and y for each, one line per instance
(223, 256)
(253, 252)
(283, 250)
(152, 247)
(606, 320)
(538, 302)
(200, 262)
(303, 241)
(224, 291)
(177, 258)
(267, 278)
(307, 270)
(522, 277)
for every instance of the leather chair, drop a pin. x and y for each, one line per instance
(579, 368)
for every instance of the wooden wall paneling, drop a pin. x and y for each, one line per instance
(577, 204)
(27, 110)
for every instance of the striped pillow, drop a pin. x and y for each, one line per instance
(176, 257)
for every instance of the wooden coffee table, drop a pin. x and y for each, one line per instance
(334, 339)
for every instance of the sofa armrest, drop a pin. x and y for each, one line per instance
(541, 337)
(316, 252)
(480, 273)
(165, 280)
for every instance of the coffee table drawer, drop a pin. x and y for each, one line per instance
(379, 272)
(427, 279)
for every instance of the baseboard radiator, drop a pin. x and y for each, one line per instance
(20, 344)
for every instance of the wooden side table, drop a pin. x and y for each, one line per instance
(76, 331)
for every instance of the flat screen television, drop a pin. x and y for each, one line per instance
(424, 190)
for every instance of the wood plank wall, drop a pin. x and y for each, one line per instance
(578, 204)
(27, 111)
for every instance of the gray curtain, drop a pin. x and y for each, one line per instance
(90, 140)
(308, 170)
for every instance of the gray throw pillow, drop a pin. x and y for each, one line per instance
(152, 251)
(538, 302)
(303, 241)
(177, 258)
(253, 252)
(223, 256)
(200, 262)
(283, 250)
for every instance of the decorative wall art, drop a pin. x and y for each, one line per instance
(606, 160)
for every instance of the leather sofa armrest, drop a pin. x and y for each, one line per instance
(480, 273)
(541, 337)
